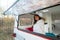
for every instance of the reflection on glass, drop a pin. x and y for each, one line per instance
(23, 7)
(25, 20)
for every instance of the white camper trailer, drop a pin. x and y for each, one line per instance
(24, 21)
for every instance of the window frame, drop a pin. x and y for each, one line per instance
(18, 24)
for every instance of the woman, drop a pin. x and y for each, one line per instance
(38, 24)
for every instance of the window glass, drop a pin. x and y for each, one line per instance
(22, 7)
(25, 21)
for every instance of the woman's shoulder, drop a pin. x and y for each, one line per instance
(41, 20)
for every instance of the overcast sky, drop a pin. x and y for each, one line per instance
(5, 4)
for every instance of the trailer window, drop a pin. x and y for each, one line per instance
(25, 21)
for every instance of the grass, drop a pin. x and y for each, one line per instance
(4, 36)
(6, 29)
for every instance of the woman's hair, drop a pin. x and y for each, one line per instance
(39, 18)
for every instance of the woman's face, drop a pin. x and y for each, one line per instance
(37, 18)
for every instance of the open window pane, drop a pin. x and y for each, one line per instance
(26, 6)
